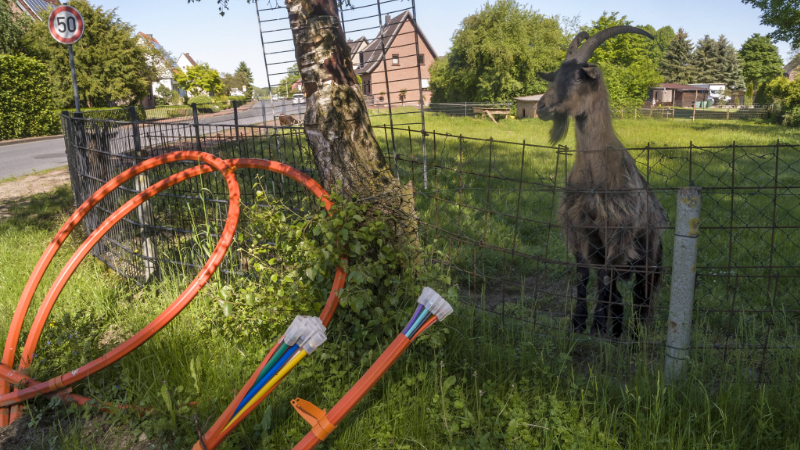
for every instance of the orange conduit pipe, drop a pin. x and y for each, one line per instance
(364, 384)
(56, 384)
(168, 314)
(21, 311)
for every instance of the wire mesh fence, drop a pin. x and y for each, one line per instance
(758, 112)
(491, 208)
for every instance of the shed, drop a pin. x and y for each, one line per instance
(671, 94)
(526, 106)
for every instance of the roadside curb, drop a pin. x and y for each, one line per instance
(32, 139)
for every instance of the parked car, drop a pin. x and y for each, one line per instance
(274, 96)
(298, 98)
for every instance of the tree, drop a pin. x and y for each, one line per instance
(729, 64)
(12, 30)
(760, 60)
(284, 86)
(677, 67)
(244, 73)
(164, 95)
(705, 60)
(628, 68)
(337, 126)
(784, 15)
(661, 40)
(200, 78)
(497, 53)
(110, 64)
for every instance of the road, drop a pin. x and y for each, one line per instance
(22, 159)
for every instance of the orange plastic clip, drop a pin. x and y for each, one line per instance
(318, 418)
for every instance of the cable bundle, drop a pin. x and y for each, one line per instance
(431, 307)
(301, 339)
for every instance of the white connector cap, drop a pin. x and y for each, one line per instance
(295, 331)
(302, 328)
(434, 303)
(427, 298)
(442, 309)
(313, 342)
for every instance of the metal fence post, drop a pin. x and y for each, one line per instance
(684, 267)
(145, 210)
(236, 120)
(264, 112)
(196, 126)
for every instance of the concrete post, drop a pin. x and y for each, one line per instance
(684, 267)
(144, 211)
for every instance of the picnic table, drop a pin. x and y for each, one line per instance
(492, 111)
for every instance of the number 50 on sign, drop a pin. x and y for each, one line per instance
(66, 24)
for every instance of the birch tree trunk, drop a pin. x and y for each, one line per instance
(337, 125)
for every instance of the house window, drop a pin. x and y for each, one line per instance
(421, 59)
(425, 83)
(367, 87)
(395, 60)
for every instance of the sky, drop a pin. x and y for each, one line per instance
(198, 29)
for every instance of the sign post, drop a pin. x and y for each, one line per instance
(66, 27)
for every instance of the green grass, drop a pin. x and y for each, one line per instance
(41, 172)
(490, 384)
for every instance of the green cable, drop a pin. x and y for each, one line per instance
(272, 361)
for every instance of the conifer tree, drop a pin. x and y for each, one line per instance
(706, 61)
(730, 67)
(677, 63)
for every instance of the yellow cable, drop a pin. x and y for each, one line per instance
(278, 376)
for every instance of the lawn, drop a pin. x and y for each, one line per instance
(491, 383)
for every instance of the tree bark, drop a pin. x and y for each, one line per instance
(337, 125)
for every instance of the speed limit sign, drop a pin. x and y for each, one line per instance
(66, 24)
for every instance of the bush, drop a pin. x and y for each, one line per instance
(791, 118)
(237, 98)
(116, 113)
(26, 104)
(200, 99)
(221, 100)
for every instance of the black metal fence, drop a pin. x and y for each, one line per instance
(491, 208)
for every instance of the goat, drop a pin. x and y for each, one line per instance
(286, 121)
(609, 216)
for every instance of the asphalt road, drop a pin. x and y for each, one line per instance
(23, 159)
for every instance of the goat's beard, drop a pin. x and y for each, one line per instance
(560, 127)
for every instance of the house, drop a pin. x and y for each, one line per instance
(526, 106)
(671, 94)
(297, 85)
(185, 61)
(792, 70)
(36, 9)
(166, 72)
(236, 92)
(394, 76)
(357, 48)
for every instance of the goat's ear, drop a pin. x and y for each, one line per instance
(548, 76)
(591, 72)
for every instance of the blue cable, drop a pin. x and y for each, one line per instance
(420, 320)
(254, 390)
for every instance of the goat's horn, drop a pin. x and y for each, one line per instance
(586, 50)
(576, 42)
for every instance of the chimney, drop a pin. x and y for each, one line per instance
(388, 18)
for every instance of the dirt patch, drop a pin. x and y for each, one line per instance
(21, 189)
(96, 432)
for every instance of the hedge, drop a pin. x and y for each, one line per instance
(26, 104)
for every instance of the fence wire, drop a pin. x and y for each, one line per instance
(491, 208)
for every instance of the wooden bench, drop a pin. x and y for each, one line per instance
(492, 111)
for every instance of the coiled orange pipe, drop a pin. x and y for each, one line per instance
(213, 163)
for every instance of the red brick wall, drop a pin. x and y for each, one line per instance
(404, 75)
